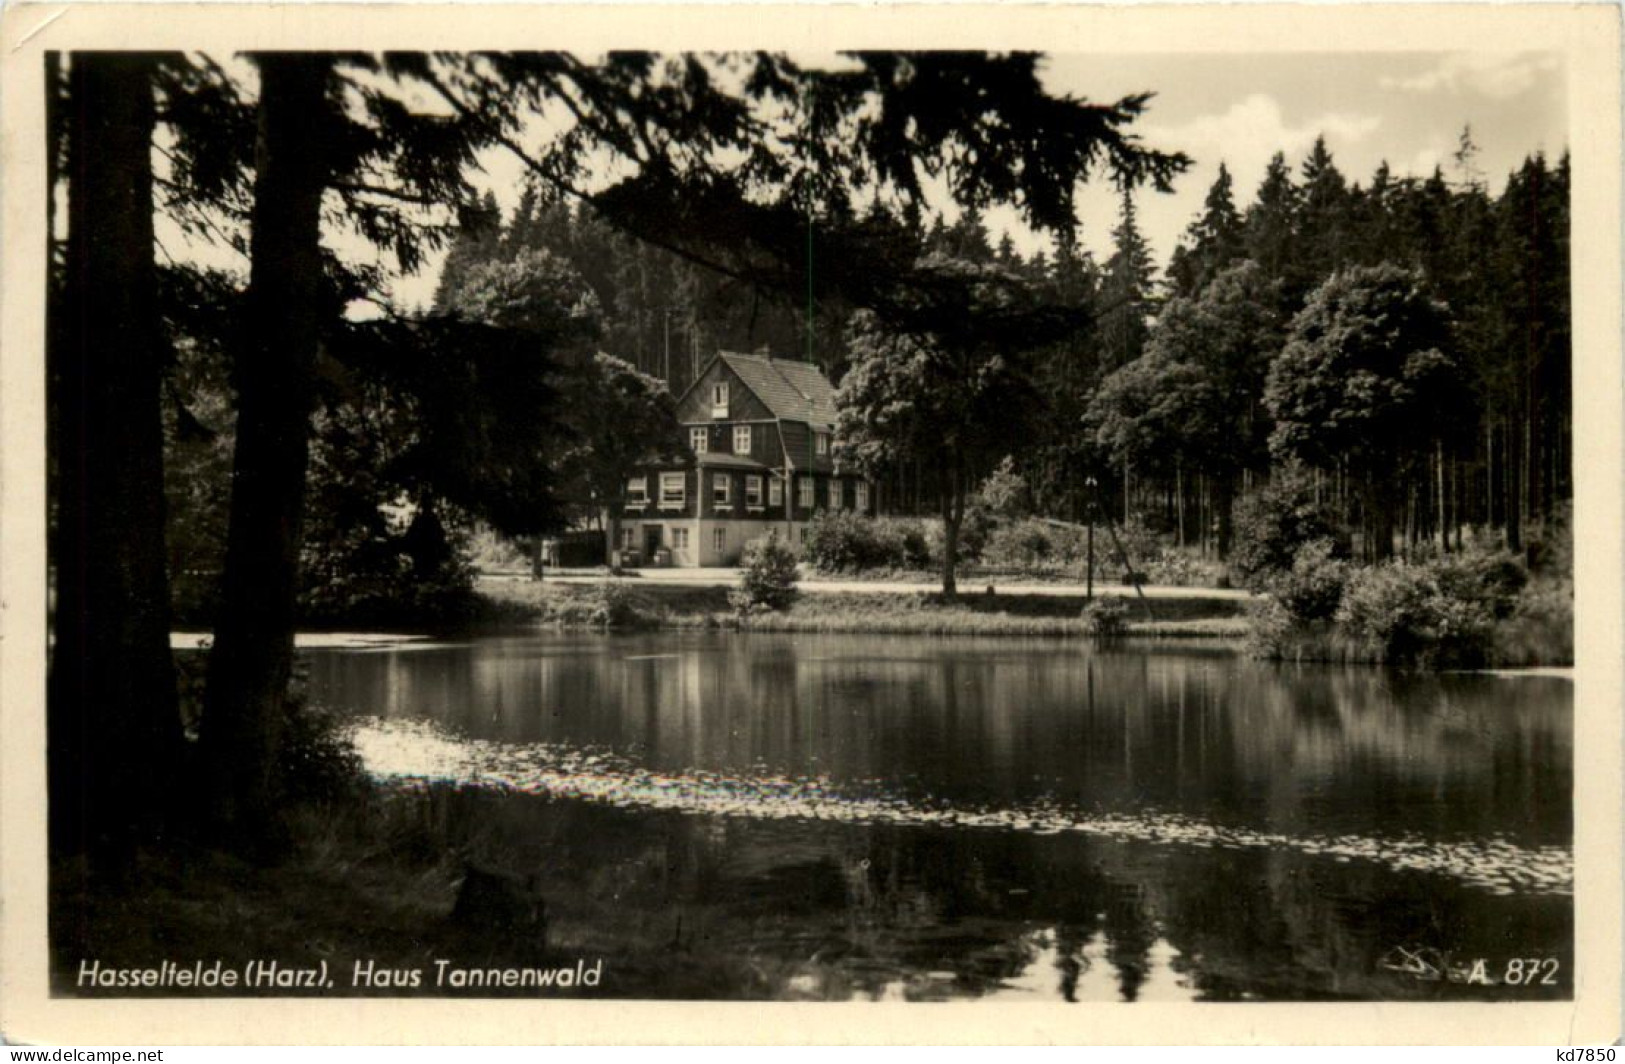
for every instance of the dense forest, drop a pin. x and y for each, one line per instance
(1175, 391)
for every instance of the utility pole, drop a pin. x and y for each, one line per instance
(1089, 509)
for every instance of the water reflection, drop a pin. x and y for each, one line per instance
(1152, 826)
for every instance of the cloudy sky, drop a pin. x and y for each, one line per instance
(1406, 107)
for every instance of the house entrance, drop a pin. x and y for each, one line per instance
(651, 543)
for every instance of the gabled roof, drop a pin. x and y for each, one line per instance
(793, 391)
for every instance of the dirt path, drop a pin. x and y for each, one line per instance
(816, 585)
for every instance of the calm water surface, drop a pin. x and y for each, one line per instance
(923, 818)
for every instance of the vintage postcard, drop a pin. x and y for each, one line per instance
(791, 524)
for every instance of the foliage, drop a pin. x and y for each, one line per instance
(534, 291)
(317, 762)
(1312, 589)
(1004, 493)
(1106, 617)
(1411, 615)
(767, 580)
(1365, 373)
(840, 541)
(371, 553)
(945, 397)
(1033, 545)
(1275, 521)
(613, 605)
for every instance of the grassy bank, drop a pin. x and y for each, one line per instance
(376, 882)
(630, 604)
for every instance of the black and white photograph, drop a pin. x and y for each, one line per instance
(947, 524)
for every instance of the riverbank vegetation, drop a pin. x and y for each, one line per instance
(1476, 605)
(634, 604)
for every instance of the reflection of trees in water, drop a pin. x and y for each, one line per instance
(975, 723)
(845, 910)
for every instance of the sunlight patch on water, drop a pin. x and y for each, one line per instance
(408, 752)
(313, 640)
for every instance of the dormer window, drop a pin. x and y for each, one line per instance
(719, 399)
(699, 440)
(821, 443)
(741, 439)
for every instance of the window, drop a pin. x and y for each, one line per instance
(805, 493)
(753, 492)
(821, 442)
(719, 539)
(741, 439)
(637, 491)
(775, 492)
(629, 538)
(834, 493)
(722, 490)
(699, 440)
(863, 497)
(719, 399)
(679, 539)
(673, 489)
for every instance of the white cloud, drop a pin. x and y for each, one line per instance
(1253, 129)
(1499, 76)
(1422, 164)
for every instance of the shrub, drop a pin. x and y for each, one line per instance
(1272, 523)
(1270, 629)
(1106, 618)
(974, 530)
(1019, 545)
(913, 543)
(1178, 567)
(1409, 615)
(768, 580)
(1312, 589)
(1139, 540)
(317, 762)
(1004, 493)
(613, 606)
(840, 541)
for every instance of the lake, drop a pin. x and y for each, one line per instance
(931, 818)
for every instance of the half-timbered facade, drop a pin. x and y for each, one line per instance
(761, 432)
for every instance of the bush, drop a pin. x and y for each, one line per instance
(613, 606)
(1106, 618)
(1140, 542)
(1312, 589)
(768, 581)
(841, 541)
(317, 762)
(1408, 613)
(913, 542)
(1004, 493)
(1274, 522)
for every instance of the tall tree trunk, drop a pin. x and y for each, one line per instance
(952, 506)
(252, 660)
(114, 734)
(1225, 487)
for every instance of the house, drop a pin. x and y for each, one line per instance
(760, 430)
